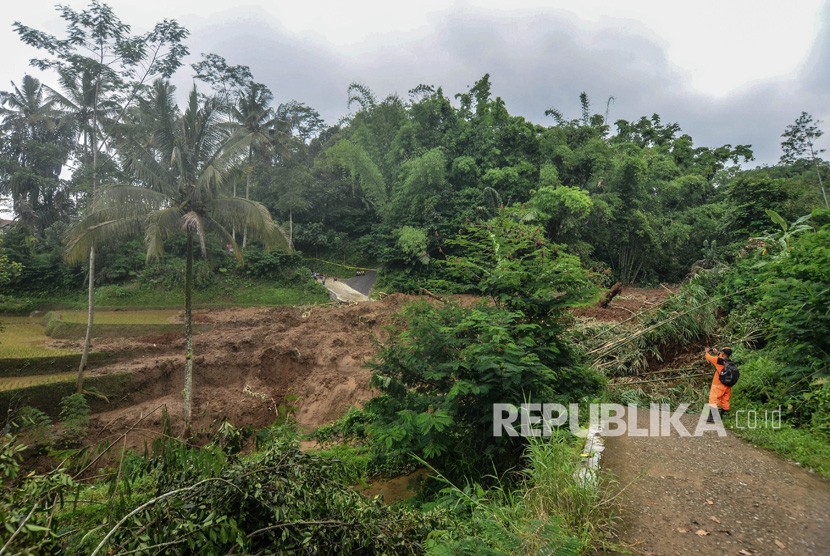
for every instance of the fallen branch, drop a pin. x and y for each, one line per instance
(433, 296)
(657, 379)
(677, 370)
(290, 523)
(153, 501)
(607, 347)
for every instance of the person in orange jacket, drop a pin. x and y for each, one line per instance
(719, 394)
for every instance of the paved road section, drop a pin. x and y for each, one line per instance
(363, 284)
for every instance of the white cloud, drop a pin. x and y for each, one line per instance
(728, 72)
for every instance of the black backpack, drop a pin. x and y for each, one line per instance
(730, 374)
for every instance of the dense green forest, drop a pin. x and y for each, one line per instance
(123, 184)
(391, 184)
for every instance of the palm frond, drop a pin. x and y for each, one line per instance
(127, 200)
(91, 231)
(193, 221)
(116, 213)
(253, 216)
(226, 235)
(144, 165)
(159, 226)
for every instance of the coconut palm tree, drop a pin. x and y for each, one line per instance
(181, 161)
(36, 145)
(257, 122)
(76, 99)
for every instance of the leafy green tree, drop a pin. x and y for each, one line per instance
(750, 196)
(561, 209)
(633, 235)
(799, 140)
(445, 366)
(182, 160)
(9, 270)
(646, 132)
(412, 243)
(361, 169)
(518, 268)
(227, 82)
(417, 199)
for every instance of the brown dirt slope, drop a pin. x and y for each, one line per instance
(626, 304)
(739, 497)
(248, 360)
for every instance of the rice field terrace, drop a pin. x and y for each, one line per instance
(157, 316)
(25, 337)
(46, 348)
(18, 382)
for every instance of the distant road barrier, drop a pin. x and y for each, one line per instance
(338, 264)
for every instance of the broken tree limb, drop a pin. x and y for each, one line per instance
(433, 296)
(615, 290)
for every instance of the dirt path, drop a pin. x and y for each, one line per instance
(744, 498)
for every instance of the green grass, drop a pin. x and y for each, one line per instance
(234, 294)
(19, 382)
(355, 460)
(24, 338)
(549, 511)
(152, 316)
(228, 291)
(799, 445)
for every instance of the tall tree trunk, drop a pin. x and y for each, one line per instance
(290, 228)
(90, 317)
(247, 196)
(233, 228)
(248, 171)
(818, 173)
(188, 334)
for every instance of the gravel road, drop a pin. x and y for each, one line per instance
(715, 495)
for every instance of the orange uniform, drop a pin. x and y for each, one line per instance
(718, 393)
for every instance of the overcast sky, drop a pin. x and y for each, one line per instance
(733, 72)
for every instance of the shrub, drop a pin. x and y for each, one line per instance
(445, 366)
(169, 274)
(17, 305)
(285, 268)
(796, 297)
(279, 499)
(35, 423)
(74, 418)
